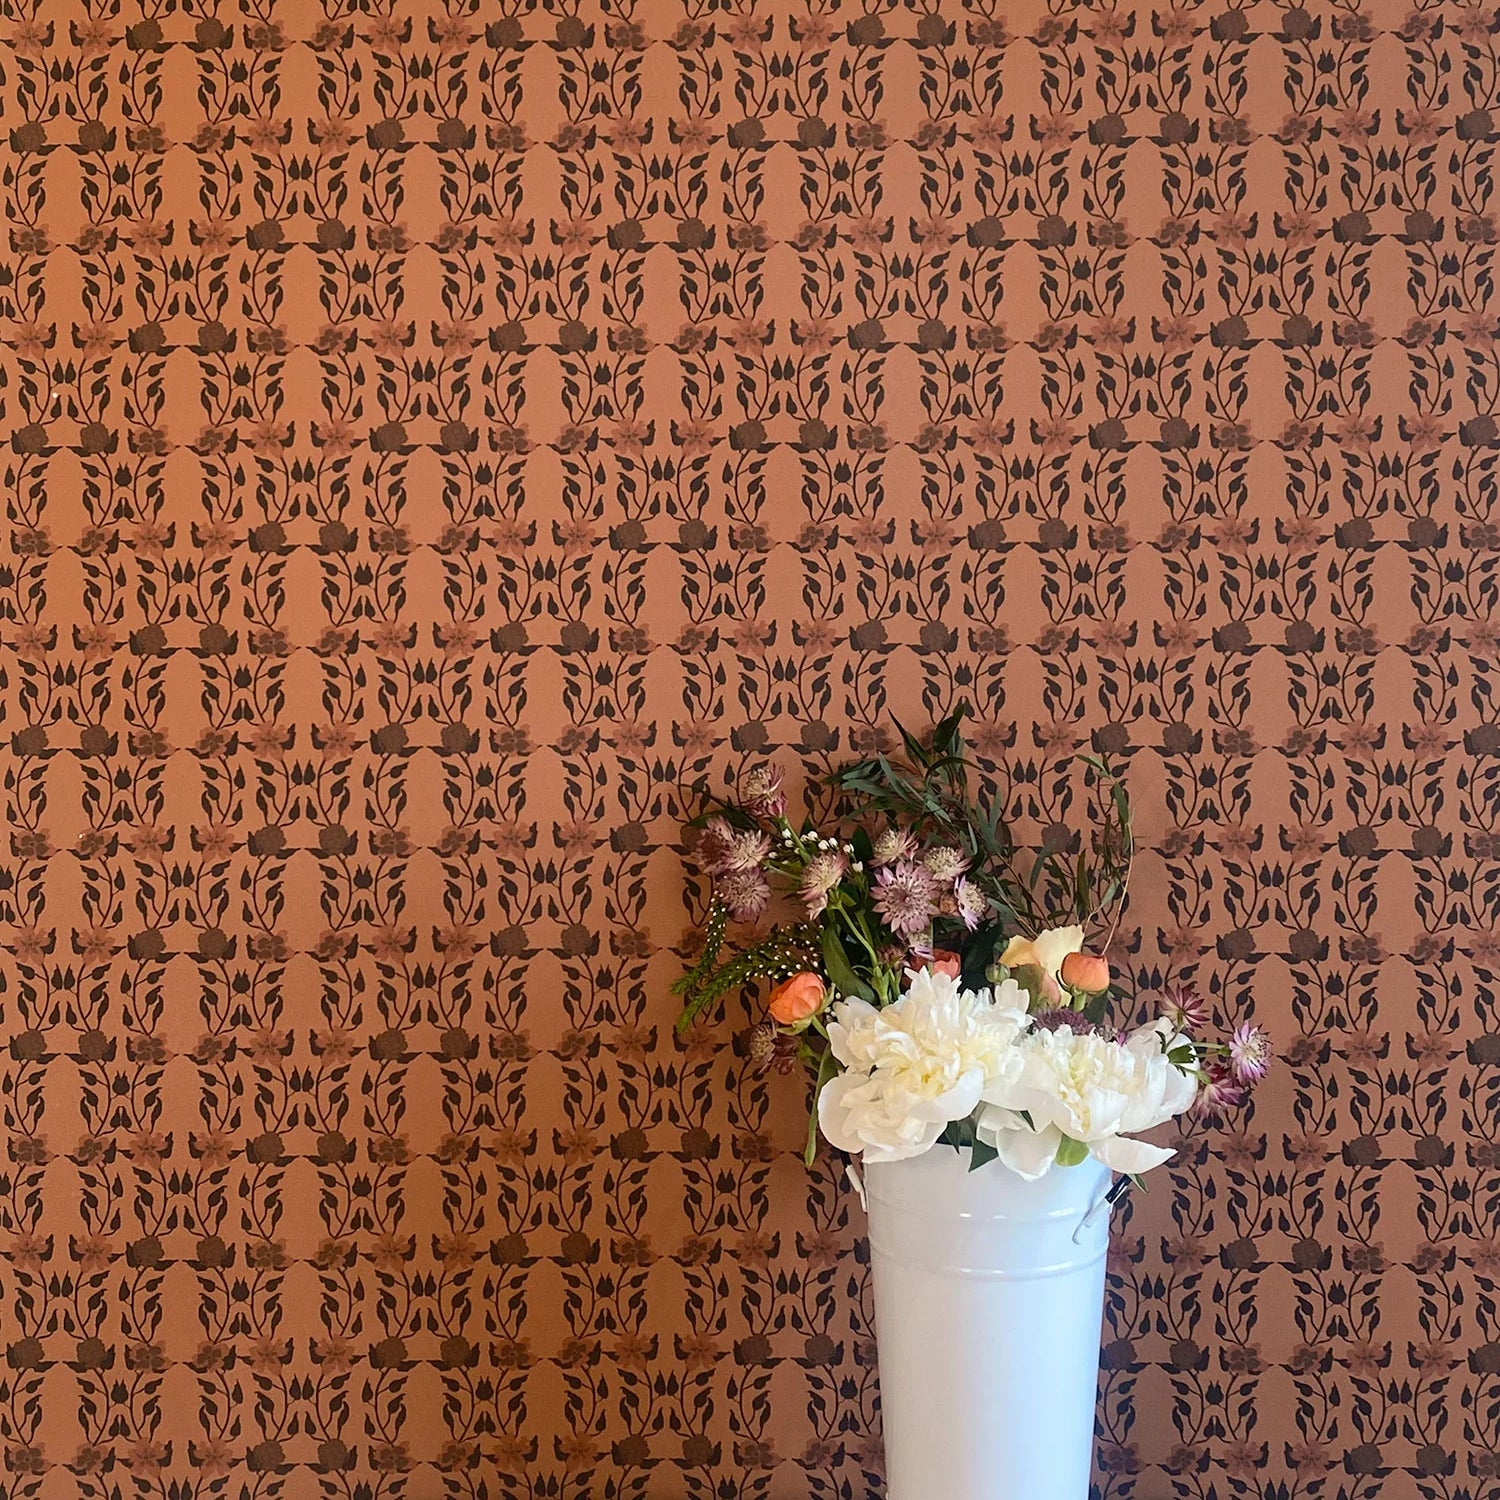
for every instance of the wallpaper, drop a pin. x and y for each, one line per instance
(438, 438)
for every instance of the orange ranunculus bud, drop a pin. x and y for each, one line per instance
(1086, 972)
(943, 961)
(797, 999)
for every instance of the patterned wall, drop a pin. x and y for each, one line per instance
(437, 437)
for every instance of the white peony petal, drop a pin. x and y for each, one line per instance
(849, 1017)
(1154, 1038)
(1131, 1158)
(1000, 1086)
(1028, 1153)
(1143, 1109)
(956, 1104)
(905, 1150)
(1172, 1089)
(833, 1114)
(1012, 1003)
(1181, 1091)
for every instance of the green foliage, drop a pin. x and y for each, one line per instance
(827, 1067)
(961, 1135)
(838, 970)
(927, 791)
(713, 944)
(1094, 882)
(1070, 1152)
(782, 952)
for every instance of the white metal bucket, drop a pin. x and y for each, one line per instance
(989, 1294)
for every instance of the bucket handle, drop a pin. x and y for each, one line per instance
(1102, 1204)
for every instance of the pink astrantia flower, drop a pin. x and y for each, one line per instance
(893, 845)
(822, 873)
(746, 851)
(1221, 1091)
(714, 844)
(1184, 1007)
(906, 898)
(745, 893)
(1249, 1053)
(945, 864)
(764, 797)
(972, 903)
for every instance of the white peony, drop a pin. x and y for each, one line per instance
(1167, 1091)
(1093, 1089)
(931, 1057)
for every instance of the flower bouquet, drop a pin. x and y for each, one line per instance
(943, 987)
(938, 987)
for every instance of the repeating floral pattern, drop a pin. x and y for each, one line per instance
(437, 437)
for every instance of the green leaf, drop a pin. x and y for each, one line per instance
(1070, 1152)
(840, 972)
(913, 745)
(736, 817)
(945, 735)
(961, 1135)
(827, 1067)
(980, 1153)
(1031, 979)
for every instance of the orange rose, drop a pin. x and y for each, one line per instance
(944, 961)
(797, 999)
(1085, 972)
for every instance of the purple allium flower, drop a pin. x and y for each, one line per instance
(972, 903)
(745, 893)
(1061, 1018)
(906, 897)
(1184, 1007)
(1221, 1091)
(1249, 1053)
(762, 792)
(893, 845)
(821, 873)
(944, 864)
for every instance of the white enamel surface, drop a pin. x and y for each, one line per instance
(989, 1293)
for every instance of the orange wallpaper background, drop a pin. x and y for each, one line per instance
(437, 437)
